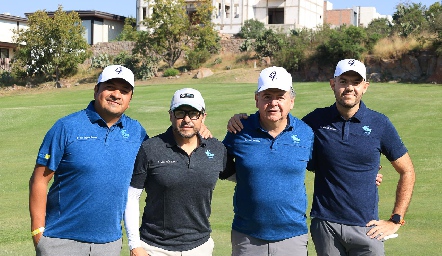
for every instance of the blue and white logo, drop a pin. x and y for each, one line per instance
(366, 129)
(124, 134)
(295, 139)
(209, 154)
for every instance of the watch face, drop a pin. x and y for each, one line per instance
(396, 218)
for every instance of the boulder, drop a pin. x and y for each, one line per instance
(203, 72)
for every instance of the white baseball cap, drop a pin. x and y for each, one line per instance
(274, 77)
(350, 64)
(117, 71)
(187, 96)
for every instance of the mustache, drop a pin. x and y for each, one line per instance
(184, 123)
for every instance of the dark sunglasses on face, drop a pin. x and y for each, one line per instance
(192, 114)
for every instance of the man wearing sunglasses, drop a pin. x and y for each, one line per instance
(178, 169)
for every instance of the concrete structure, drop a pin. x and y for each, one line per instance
(230, 15)
(100, 26)
(8, 24)
(356, 16)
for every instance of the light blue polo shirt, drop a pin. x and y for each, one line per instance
(93, 166)
(346, 158)
(270, 200)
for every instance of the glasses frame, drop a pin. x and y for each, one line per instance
(187, 113)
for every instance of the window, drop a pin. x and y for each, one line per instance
(144, 12)
(4, 53)
(276, 15)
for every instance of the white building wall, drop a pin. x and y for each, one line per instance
(366, 15)
(6, 30)
(114, 28)
(230, 15)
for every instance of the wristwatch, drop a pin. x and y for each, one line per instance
(397, 219)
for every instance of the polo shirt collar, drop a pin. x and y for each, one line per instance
(358, 116)
(170, 139)
(94, 117)
(290, 122)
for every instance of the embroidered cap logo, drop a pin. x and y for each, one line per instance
(119, 70)
(351, 62)
(187, 95)
(273, 75)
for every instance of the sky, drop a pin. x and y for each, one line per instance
(127, 7)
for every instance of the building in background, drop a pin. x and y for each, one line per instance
(9, 23)
(356, 16)
(230, 15)
(100, 26)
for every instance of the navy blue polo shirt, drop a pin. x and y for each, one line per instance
(179, 190)
(93, 165)
(270, 200)
(346, 159)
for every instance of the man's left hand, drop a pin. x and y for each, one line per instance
(382, 228)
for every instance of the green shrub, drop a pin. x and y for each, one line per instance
(196, 58)
(6, 78)
(251, 29)
(143, 68)
(100, 61)
(171, 72)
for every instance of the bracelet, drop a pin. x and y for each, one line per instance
(38, 231)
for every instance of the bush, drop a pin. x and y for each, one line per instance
(269, 43)
(251, 29)
(171, 72)
(196, 58)
(143, 68)
(100, 61)
(6, 78)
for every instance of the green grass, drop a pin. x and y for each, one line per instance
(415, 110)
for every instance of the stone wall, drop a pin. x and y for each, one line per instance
(419, 67)
(112, 48)
(422, 66)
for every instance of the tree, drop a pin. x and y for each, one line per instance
(52, 45)
(409, 19)
(381, 26)
(171, 32)
(252, 29)
(269, 43)
(129, 32)
(345, 42)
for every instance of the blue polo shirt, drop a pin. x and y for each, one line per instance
(346, 159)
(270, 199)
(93, 165)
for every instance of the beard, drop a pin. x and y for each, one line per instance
(186, 135)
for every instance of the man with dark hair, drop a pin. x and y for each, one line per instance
(90, 154)
(179, 170)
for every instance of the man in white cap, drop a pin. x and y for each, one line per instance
(349, 139)
(270, 155)
(90, 154)
(179, 170)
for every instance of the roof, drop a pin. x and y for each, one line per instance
(90, 13)
(12, 18)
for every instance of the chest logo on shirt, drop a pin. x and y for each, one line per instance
(124, 134)
(367, 129)
(252, 140)
(87, 137)
(166, 161)
(209, 154)
(295, 139)
(328, 128)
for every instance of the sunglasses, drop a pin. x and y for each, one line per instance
(192, 114)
